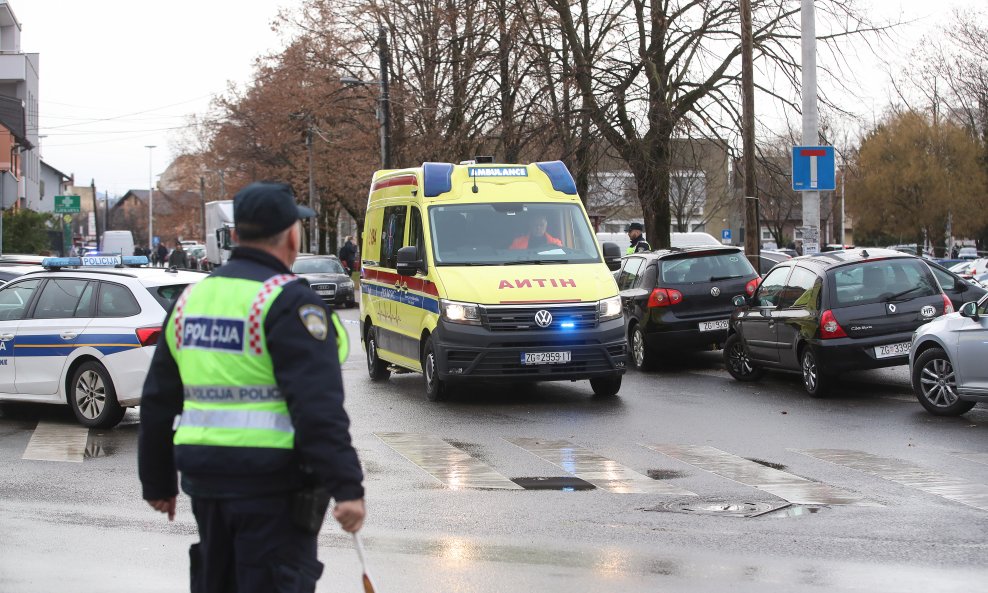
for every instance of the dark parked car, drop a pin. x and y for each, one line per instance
(833, 312)
(957, 289)
(767, 260)
(326, 276)
(680, 299)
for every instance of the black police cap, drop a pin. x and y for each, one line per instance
(636, 226)
(263, 209)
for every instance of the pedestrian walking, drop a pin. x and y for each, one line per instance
(348, 254)
(162, 252)
(178, 257)
(244, 397)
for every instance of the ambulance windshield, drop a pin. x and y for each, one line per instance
(511, 233)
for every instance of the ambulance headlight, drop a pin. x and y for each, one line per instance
(609, 308)
(455, 312)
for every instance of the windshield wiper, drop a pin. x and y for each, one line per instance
(904, 293)
(712, 278)
(536, 262)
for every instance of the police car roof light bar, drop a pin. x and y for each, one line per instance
(96, 261)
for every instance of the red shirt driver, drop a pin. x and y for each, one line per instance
(536, 237)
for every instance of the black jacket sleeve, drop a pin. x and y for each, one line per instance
(161, 401)
(307, 369)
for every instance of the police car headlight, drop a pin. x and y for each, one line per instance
(609, 308)
(455, 312)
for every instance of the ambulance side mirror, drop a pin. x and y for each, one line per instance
(612, 256)
(409, 262)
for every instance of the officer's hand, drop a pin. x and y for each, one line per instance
(165, 505)
(350, 514)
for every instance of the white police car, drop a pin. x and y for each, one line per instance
(84, 335)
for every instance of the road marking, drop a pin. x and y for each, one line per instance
(975, 457)
(57, 442)
(908, 474)
(786, 486)
(710, 373)
(453, 467)
(600, 471)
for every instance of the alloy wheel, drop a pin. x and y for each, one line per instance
(938, 383)
(638, 347)
(739, 359)
(810, 378)
(90, 394)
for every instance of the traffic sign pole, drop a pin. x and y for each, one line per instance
(811, 123)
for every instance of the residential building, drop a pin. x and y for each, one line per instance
(52, 183)
(18, 112)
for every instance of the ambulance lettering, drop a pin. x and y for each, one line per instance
(542, 282)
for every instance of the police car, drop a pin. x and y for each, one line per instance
(82, 331)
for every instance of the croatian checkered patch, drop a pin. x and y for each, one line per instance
(254, 338)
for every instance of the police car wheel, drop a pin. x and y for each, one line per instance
(606, 386)
(376, 368)
(93, 398)
(435, 388)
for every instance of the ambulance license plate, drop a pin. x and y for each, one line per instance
(709, 326)
(545, 357)
(890, 350)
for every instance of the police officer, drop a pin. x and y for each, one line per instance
(245, 398)
(635, 234)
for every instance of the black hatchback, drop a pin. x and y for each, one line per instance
(680, 299)
(833, 312)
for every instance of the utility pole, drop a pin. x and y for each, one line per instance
(92, 186)
(385, 99)
(752, 222)
(202, 203)
(313, 248)
(811, 125)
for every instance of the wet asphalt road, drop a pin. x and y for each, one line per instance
(883, 496)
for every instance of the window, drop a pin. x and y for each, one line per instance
(85, 306)
(946, 280)
(166, 295)
(630, 272)
(802, 290)
(392, 235)
(15, 297)
(705, 268)
(317, 265)
(771, 288)
(416, 235)
(882, 281)
(116, 301)
(59, 298)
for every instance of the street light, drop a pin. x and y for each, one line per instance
(150, 148)
(384, 115)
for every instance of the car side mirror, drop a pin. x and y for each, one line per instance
(409, 262)
(970, 310)
(612, 256)
(739, 300)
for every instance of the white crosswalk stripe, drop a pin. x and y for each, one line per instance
(53, 441)
(451, 466)
(908, 474)
(789, 487)
(600, 471)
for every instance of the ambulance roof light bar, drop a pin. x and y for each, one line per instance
(95, 261)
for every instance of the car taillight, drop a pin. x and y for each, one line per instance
(948, 307)
(663, 297)
(829, 328)
(148, 336)
(751, 286)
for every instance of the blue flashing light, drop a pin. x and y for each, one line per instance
(567, 325)
(437, 178)
(96, 261)
(559, 176)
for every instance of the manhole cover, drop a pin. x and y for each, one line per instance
(721, 508)
(566, 483)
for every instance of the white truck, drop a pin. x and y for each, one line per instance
(219, 222)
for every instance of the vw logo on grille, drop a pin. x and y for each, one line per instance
(891, 308)
(928, 311)
(543, 318)
(715, 291)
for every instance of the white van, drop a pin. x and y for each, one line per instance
(117, 243)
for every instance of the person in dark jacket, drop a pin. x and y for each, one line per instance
(635, 230)
(253, 420)
(178, 257)
(348, 254)
(162, 253)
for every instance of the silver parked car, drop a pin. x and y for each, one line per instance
(947, 360)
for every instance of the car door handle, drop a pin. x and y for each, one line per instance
(6, 337)
(68, 335)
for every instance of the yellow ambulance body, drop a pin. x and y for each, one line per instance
(488, 272)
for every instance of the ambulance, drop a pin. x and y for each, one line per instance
(488, 272)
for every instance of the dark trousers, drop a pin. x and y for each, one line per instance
(250, 545)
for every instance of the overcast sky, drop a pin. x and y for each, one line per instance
(117, 75)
